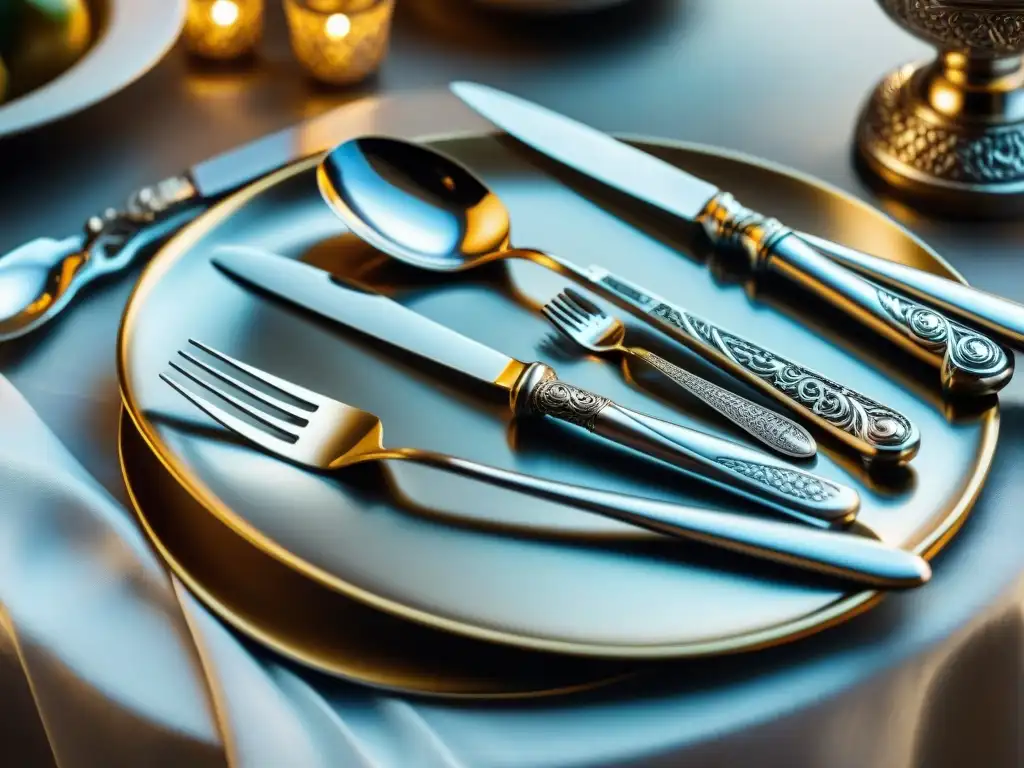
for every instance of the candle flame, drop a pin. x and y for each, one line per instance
(224, 13)
(337, 26)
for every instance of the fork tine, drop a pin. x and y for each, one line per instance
(251, 411)
(561, 303)
(266, 440)
(307, 396)
(561, 320)
(584, 303)
(585, 318)
(252, 392)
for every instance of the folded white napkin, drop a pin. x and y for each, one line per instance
(91, 619)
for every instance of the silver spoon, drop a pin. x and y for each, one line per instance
(425, 209)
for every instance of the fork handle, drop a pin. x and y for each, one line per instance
(780, 434)
(877, 433)
(846, 555)
(728, 465)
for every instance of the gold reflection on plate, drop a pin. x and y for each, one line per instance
(469, 559)
(305, 622)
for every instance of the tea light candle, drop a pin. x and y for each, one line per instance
(223, 29)
(340, 41)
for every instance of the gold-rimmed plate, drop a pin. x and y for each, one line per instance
(472, 560)
(319, 628)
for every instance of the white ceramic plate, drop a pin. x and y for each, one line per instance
(136, 35)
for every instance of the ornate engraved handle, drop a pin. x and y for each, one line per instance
(774, 430)
(998, 316)
(876, 432)
(970, 363)
(733, 467)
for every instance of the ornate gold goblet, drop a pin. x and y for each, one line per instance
(949, 134)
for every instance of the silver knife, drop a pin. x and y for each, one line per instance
(533, 389)
(39, 279)
(969, 362)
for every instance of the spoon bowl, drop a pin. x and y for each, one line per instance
(414, 203)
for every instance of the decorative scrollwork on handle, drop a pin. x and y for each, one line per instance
(107, 235)
(791, 482)
(769, 427)
(963, 347)
(841, 407)
(552, 397)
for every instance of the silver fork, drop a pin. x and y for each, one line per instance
(583, 321)
(326, 435)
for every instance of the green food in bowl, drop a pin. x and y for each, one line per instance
(10, 11)
(49, 36)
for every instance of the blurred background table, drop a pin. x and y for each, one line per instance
(782, 80)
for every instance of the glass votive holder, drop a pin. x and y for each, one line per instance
(223, 29)
(340, 42)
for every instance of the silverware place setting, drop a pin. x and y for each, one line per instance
(326, 435)
(534, 390)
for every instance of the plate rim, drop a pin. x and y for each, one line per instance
(265, 636)
(844, 608)
(120, 27)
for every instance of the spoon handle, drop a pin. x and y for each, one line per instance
(773, 429)
(875, 431)
(108, 244)
(846, 555)
(751, 474)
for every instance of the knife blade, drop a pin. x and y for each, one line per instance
(969, 362)
(534, 389)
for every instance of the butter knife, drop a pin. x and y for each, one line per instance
(969, 362)
(534, 390)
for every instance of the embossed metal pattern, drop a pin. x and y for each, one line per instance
(791, 482)
(892, 127)
(460, 552)
(968, 349)
(773, 429)
(994, 27)
(970, 361)
(841, 407)
(566, 402)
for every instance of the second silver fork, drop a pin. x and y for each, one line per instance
(589, 326)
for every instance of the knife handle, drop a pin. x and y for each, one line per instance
(998, 316)
(875, 431)
(728, 465)
(837, 553)
(970, 363)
